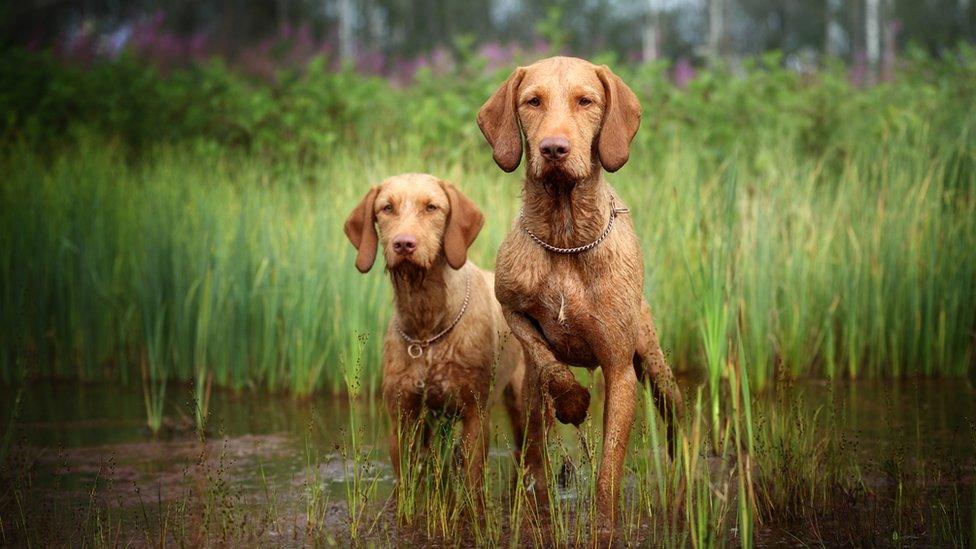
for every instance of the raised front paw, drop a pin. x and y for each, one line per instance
(570, 399)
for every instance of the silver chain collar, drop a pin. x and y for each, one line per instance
(415, 347)
(614, 212)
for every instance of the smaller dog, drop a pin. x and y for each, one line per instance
(447, 348)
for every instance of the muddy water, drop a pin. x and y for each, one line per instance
(83, 442)
(77, 433)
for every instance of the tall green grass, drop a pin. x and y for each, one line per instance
(866, 269)
(833, 235)
(195, 266)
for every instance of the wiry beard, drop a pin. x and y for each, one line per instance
(406, 274)
(555, 180)
(559, 177)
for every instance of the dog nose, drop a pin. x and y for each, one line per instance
(404, 244)
(554, 148)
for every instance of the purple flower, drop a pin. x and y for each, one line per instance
(370, 62)
(858, 73)
(683, 73)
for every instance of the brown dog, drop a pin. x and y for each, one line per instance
(570, 273)
(447, 348)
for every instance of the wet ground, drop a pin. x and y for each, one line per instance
(87, 447)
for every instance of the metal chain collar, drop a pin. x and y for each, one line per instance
(614, 212)
(415, 347)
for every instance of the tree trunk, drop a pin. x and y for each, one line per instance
(652, 32)
(832, 30)
(888, 37)
(346, 45)
(872, 35)
(856, 26)
(970, 11)
(717, 15)
(282, 12)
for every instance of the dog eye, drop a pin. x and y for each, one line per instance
(585, 102)
(431, 207)
(388, 208)
(534, 102)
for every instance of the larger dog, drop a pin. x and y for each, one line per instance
(570, 273)
(447, 349)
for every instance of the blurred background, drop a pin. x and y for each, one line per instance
(395, 37)
(289, 108)
(176, 288)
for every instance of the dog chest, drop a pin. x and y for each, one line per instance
(446, 376)
(562, 311)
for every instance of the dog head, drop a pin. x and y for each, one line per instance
(575, 117)
(420, 219)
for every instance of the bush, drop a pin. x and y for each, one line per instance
(190, 223)
(307, 115)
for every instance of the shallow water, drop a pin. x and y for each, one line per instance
(90, 441)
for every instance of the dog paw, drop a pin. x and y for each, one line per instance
(569, 399)
(605, 537)
(572, 405)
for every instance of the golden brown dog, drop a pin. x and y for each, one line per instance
(570, 273)
(447, 348)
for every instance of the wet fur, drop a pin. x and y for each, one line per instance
(475, 364)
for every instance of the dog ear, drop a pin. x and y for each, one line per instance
(498, 120)
(621, 119)
(463, 225)
(360, 228)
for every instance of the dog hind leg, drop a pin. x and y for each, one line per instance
(653, 370)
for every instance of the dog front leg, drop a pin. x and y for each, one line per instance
(514, 403)
(618, 418)
(653, 370)
(406, 431)
(474, 445)
(570, 400)
(537, 355)
(534, 457)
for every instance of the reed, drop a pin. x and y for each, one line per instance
(847, 255)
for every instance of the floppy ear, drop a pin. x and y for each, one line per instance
(463, 225)
(621, 119)
(498, 120)
(361, 229)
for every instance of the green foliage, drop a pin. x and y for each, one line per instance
(315, 113)
(188, 226)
